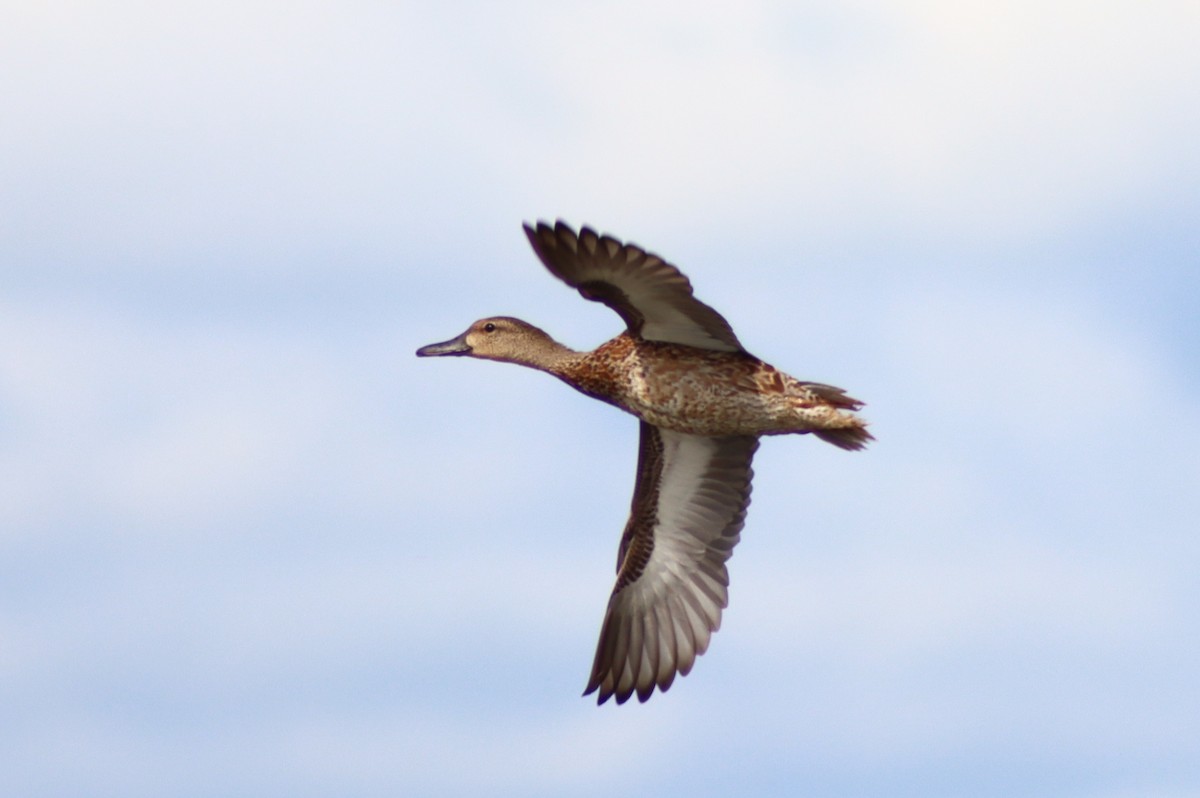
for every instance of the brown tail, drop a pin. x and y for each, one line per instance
(834, 396)
(848, 438)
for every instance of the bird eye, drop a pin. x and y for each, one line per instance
(489, 327)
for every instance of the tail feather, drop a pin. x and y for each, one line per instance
(849, 438)
(844, 430)
(834, 396)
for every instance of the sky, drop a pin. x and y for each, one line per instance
(250, 545)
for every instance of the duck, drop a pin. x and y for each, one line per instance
(703, 402)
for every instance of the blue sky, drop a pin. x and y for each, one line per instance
(250, 545)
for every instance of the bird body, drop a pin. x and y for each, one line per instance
(703, 402)
(705, 392)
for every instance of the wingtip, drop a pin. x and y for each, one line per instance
(531, 233)
(618, 694)
(596, 683)
(543, 236)
(601, 697)
(563, 233)
(643, 692)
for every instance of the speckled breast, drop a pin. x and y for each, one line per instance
(689, 390)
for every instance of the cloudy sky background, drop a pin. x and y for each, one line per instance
(250, 545)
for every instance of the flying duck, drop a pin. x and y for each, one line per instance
(703, 402)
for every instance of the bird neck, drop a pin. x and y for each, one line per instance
(542, 353)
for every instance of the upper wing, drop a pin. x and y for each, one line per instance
(651, 295)
(689, 506)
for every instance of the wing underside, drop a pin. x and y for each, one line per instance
(689, 507)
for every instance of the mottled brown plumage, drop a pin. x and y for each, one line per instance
(703, 402)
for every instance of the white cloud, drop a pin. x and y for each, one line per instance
(271, 127)
(985, 120)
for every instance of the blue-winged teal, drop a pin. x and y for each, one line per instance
(703, 401)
